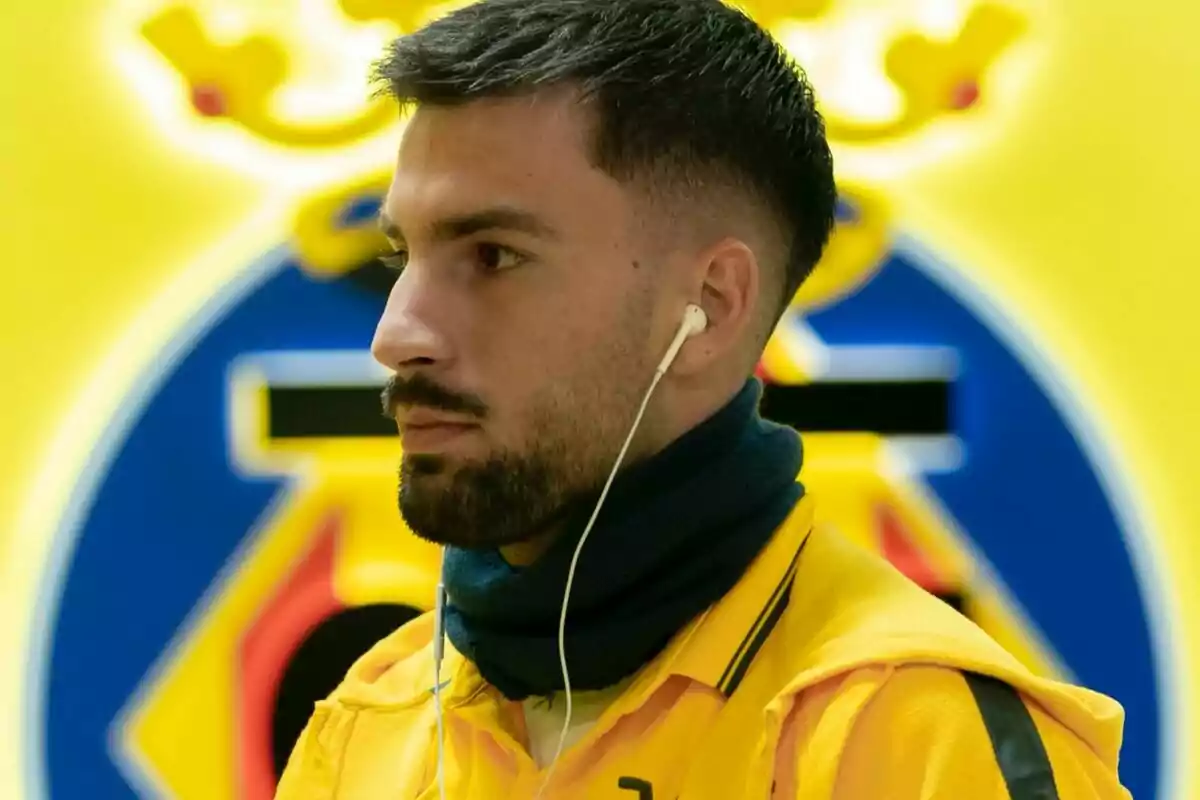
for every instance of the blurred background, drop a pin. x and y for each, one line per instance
(994, 367)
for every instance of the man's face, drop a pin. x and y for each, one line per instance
(520, 327)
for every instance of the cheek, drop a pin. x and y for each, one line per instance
(592, 390)
(531, 345)
(560, 363)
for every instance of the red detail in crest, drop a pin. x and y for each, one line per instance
(209, 100)
(304, 598)
(897, 547)
(964, 95)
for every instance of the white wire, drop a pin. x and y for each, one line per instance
(562, 618)
(439, 644)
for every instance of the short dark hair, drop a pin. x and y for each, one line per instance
(689, 86)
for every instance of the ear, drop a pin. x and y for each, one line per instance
(728, 277)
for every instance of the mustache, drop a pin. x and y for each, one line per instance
(420, 390)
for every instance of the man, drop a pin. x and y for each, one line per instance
(574, 175)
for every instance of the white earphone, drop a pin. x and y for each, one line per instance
(695, 321)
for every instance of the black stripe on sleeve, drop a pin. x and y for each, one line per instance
(1018, 747)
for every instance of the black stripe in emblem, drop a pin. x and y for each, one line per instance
(1018, 747)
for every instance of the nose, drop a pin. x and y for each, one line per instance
(407, 338)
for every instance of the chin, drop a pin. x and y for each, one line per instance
(481, 504)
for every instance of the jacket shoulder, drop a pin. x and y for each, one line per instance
(395, 671)
(393, 675)
(929, 731)
(850, 608)
(852, 611)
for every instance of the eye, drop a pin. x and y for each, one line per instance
(395, 261)
(497, 258)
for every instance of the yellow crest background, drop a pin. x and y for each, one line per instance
(1077, 210)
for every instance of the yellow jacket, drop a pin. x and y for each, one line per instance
(823, 674)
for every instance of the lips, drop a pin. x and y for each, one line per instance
(431, 433)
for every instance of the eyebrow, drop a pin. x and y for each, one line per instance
(501, 218)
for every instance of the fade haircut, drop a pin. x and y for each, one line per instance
(690, 91)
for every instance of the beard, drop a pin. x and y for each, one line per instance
(502, 501)
(510, 497)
